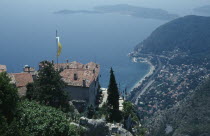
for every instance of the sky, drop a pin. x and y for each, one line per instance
(174, 6)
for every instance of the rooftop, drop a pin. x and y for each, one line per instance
(77, 74)
(21, 79)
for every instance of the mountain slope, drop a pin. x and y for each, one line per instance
(190, 117)
(190, 34)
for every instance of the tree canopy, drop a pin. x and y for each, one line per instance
(8, 97)
(39, 119)
(48, 88)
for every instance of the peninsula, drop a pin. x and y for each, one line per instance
(124, 9)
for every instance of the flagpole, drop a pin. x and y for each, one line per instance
(57, 47)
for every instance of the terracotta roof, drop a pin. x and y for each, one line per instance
(71, 65)
(21, 79)
(77, 74)
(3, 68)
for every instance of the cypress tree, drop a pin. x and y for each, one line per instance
(113, 94)
(113, 100)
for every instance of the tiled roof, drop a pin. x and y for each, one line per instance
(71, 65)
(77, 74)
(3, 68)
(21, 79)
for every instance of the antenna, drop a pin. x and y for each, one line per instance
(56, 35)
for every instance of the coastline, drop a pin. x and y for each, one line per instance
(151, 71)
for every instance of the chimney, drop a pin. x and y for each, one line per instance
(84, 83)
(28, 69)
(67, 62)
(53, 62)
(75, 76)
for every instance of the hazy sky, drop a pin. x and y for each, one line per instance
(175, 6)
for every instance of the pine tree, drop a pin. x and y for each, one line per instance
(113, 94)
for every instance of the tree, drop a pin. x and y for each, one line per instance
(113, 94)
(48, 88)
(90, 111)
(129, 113)
(41, 120)
(113, 99)
(8, 97)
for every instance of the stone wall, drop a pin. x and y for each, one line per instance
(78, 93)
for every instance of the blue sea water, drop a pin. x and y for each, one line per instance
(27, 36)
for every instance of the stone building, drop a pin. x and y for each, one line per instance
(20, 80)
(82, 81)
(3, 68)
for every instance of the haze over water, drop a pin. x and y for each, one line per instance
(28, 34)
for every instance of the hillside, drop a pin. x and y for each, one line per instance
(189, 117)
(174, 103)
(190, 34)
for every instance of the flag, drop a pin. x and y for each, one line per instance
(59, 46)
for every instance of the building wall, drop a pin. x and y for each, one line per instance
(93, 91)
(84, 93)
(78, 93)
(22, 91)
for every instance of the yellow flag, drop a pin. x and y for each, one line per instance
(59, 49)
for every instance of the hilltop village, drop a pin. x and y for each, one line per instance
(86, 96)
(82, 80)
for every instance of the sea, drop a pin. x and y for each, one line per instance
(27, 36)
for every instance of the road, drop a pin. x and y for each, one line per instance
(150, 81)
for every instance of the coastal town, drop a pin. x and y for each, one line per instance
(169, 83)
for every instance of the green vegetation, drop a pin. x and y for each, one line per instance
(24, 117)
(113, 94)
(90, 111)
(113, 99)
(131, 120)
(129, 111)
(45, 110)
(8, 97)
(48, 88)
(39, 120)
(8, 108)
